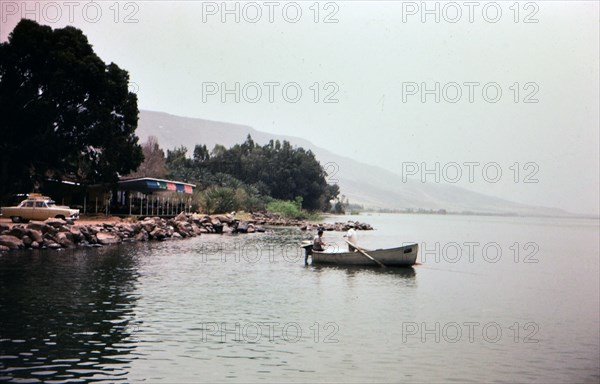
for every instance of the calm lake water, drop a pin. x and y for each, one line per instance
(495, 300)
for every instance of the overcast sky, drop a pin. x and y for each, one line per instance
(372, 62)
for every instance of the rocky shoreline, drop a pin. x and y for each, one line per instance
(59, 234)
(272, 219)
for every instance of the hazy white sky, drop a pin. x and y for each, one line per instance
(372, 61)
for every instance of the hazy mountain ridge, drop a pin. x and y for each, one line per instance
(371, 186)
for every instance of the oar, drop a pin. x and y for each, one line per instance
(365, 253)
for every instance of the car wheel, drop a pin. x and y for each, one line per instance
(16, 219)
(59, 217)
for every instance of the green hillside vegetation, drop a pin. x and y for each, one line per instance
(276, 176)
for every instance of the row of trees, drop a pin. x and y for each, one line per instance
(246, 176)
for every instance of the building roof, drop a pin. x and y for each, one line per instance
(150, 184)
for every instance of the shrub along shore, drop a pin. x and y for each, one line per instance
(59, 234)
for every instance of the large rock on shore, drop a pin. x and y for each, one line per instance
(128, 229)
(42, 227)
(148, 224)
(56, 223)
(141, 236)
(224, 218)
(242, 227)
(35, 235)
(184, 229)
(64, 240)
(37, 225)
(181, 217)
(158, 234)
(216, 225)
(107, 238)
(18, 231)
(26, 241)
(11, 241)
(75, 235)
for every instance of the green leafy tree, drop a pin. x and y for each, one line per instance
(254, 175)
(201, 154)
(285, 171)
(65, 113)
(179, 165)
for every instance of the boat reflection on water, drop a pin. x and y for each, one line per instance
(401, 272)
(351, 282)
(404, 276)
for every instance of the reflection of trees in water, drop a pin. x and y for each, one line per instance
(67, 312)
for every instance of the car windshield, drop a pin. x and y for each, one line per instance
(51, 203)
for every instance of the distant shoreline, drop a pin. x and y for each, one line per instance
(490, 214)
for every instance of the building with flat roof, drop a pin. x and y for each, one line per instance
(140, 196)
(148, 196)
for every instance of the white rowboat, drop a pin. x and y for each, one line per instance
(404, 256)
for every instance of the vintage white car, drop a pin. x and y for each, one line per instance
(38, 207)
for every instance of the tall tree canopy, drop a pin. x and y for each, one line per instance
(276, 169)
(65, 113)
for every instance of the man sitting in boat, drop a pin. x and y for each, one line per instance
(352, 238)
(318, 243)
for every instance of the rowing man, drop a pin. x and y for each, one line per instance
(352, 237)
(318, 243)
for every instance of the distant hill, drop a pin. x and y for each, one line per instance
(368, 185)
